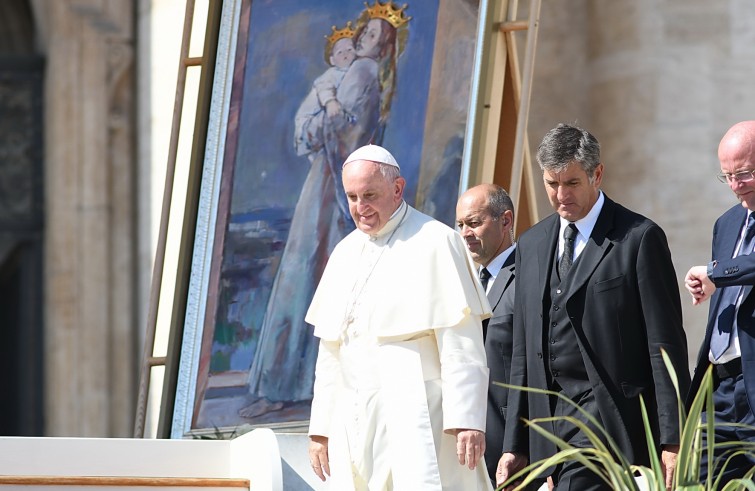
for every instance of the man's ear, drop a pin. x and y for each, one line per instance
(400, 183)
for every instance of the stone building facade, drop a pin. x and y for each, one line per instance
(658, 83)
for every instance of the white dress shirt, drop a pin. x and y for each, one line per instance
(584, 227)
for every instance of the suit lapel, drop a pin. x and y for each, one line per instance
(730, 231)
(502, 281)
(729, 236)
(546, 252)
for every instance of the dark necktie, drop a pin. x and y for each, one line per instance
(484, 277)
(567, 258)
(727, 305)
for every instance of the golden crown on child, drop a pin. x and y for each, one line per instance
(346, 32)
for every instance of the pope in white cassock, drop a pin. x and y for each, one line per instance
(401, 378)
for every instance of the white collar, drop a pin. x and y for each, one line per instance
(585, 224)
(392, 223)
(494, 267)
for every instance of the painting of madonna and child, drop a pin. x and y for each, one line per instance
(312, 82)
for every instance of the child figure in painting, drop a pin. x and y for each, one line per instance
(321, 100)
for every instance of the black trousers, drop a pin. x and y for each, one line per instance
(573, 476)
(730, 406)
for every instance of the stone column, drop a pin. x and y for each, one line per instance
(90, 312)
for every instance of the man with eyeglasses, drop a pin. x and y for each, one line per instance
(729, 342)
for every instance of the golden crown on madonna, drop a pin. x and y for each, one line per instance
(394, 15)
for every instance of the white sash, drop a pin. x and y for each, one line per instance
(404, 367)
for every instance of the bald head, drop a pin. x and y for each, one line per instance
(495, 199)
(485, 217)
(738, 142)
(736, 154)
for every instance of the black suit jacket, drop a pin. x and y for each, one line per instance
(729, 272)
(498, 340)
(623, 301)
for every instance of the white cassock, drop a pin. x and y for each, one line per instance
(401, 358)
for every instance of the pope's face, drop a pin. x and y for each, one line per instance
(571, 192)
(367, 44)
(372, 198)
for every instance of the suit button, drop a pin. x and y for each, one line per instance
(558, 291)
(553, 357)
(553, 341)
(553, 324)
(556, 373)
(540, 355)
(555, 307)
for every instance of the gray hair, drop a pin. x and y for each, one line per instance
(499, 201)
(565, 144)
(389, 172)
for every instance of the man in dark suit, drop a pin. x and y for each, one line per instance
(596, 302)
(728, 279)
(485, 218)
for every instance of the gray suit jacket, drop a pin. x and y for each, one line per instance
(498, 338)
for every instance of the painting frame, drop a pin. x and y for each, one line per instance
(216, 190)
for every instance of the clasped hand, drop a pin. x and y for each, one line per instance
(698, 284)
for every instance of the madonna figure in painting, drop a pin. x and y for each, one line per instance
(282, 370)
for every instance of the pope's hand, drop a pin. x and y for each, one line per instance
(470, 446)
(318, 456)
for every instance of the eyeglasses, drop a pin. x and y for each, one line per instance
(743, 176)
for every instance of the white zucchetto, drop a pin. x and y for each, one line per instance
(373, 153)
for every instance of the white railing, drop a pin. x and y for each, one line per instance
(251, 461)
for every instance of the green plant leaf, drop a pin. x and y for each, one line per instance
(655, 462)
(605, 460)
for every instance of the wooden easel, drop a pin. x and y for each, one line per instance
(500, 150)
